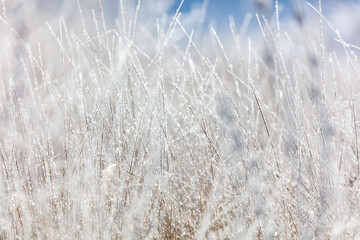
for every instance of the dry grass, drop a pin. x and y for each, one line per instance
(126, 133)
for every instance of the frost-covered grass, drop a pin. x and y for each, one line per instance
(145, 129)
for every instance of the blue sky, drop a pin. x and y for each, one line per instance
(232, 6)
(217, 8)
(218, 11)
(238, 8)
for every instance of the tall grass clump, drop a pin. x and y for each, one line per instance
(146, 127)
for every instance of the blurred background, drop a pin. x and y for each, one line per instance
(343, 14)
(200, 14)
(31, 19)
